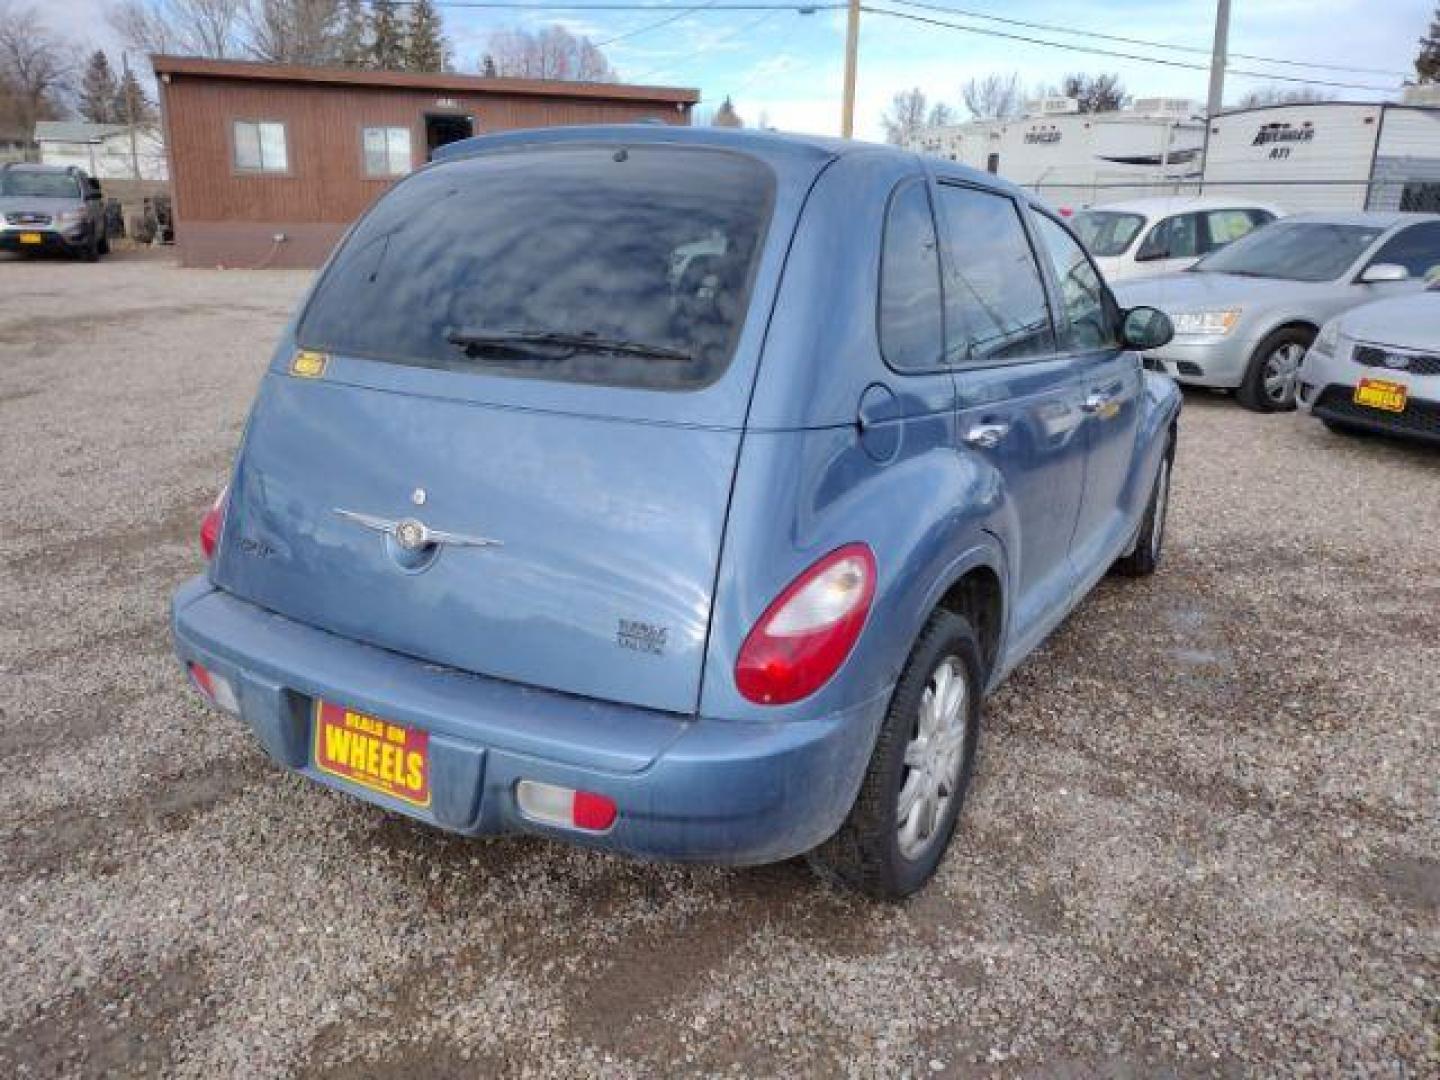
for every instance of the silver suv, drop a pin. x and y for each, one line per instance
(51, 208)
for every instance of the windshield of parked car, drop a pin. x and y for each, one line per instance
(1293, 251)
(1106, 233)
(39, 185)
(624, 266)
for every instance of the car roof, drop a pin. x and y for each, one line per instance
(1384, 219)
(1170, 204)
(771, 145)
(31, 166)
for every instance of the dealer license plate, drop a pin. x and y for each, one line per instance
(373, 753)
(31, 238)
(1381, 394)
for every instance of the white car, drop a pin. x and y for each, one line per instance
(1377, 368)
(1149, 237)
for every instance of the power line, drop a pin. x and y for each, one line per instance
(1096, 51)
(517, 5)
(1099, 36)
(654, 26)
(710, 47)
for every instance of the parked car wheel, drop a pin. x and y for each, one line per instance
(91, 252)
(1269, 384)
(905, 814)
(1150, 541)
(104, 246)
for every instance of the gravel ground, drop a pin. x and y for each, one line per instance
(1204, 837)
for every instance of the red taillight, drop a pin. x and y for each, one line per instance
(211, 524)
(566, 807)
(806, 634)
(591, 811)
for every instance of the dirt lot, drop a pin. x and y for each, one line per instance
(1205, 836)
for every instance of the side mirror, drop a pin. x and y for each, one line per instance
(1146, 328)
(1379, 273)
(1152, 254)
(92, 188)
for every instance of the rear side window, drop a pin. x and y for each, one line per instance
(995, 302)
(1416, 248)
(618, 266)
(911, 332)
(1174, 238)
(1090, 315)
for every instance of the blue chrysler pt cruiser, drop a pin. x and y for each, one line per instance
(678, 492)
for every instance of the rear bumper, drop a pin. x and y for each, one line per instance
(687, 789)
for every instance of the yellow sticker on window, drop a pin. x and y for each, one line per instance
(307, 364)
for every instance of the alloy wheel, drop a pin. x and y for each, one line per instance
(934, 758)
(1280, 372)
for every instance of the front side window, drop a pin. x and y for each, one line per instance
(387, 150)
(1089, 313)
(260, 146)
(995, 302)
(618, 266)
(1227, 226)
(911, 333)
(1293, 251)
(1416, 248)
(1174, 238)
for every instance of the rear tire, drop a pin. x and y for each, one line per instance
(1149, 544)
(91, 251)
(1270, 377)
(104, 246)
(925, 756)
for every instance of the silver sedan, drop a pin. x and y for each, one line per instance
(1377, 368)
(1245, 316)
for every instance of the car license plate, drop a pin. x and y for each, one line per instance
(31, 238)
(1381, 394)
(373, 753)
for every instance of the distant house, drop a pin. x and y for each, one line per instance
(270, 162)
(103, 150)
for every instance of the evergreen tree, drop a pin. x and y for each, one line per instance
(726, 116)
(130, 101)
(1427, 60)
(487, 67)
(387, 37)
(425, 43)
(99, 90)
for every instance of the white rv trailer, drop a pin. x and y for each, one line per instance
(1328, 156)
(1074, 159)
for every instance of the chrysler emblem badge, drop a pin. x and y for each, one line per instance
(418, 496)
(410, 534)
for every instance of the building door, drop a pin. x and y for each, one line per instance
(992, 164)
(442, 128)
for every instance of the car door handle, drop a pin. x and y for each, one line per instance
(987, 436)
(1097, 400)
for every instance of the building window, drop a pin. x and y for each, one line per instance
(387, 150)
(260, 146)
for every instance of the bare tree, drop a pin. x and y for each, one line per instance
(905, 116)
(552, 53)
(941, 115)
(295, 31)
(995, 97)
(1282, 95)
(195, 27)
(35, 66)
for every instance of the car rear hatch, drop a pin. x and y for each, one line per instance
(503, 437)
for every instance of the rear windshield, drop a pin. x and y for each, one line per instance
(598, 264)
(39, 185)
(1106, 233)
(1293, 251)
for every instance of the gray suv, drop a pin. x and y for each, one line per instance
(51, 208)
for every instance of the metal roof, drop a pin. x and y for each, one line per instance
(192, 66)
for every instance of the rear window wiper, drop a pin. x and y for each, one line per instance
(479, 339)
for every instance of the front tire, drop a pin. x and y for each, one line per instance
(905, 815)
(1150, 542)
(1274, 368)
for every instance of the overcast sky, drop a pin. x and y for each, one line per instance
(788, 66)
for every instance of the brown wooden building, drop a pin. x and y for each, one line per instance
(264, 151)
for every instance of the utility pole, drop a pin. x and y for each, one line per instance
(1218, 59)
(130, 116)
(852, 46)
